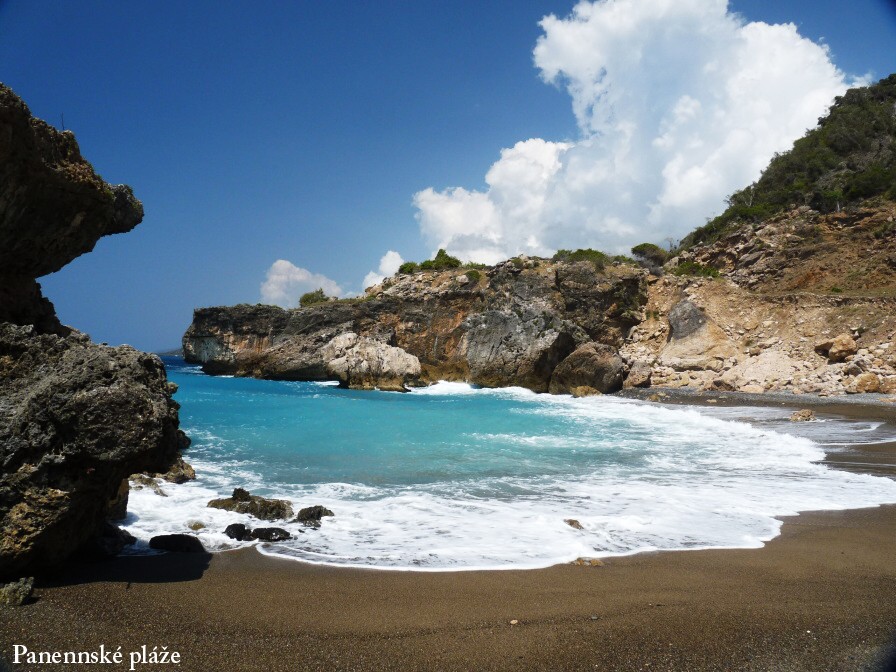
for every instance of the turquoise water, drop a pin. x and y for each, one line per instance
(451, 477)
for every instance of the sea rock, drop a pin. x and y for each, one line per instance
(180, 472)
(77, 419)
(238, 531)
(262, 508)
(176, 543)
(864, 383)
(140, 481)
(573, 523)
(16, 593)
(271, 534)
(593, 365)
(311, 516)
(366, 364)
(802, 415)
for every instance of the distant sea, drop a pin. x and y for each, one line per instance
(454, 477)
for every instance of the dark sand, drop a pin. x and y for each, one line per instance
(821, 596)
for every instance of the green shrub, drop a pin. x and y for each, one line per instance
(441, 262)
(598, 259)
(310, 298)
(695, 269)
(473, 275)
(408, 267)
(650, 253)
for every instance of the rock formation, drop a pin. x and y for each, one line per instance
(76, 418)
(512, 326)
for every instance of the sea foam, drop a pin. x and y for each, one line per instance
(454, 477)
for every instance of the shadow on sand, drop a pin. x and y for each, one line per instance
(162, 568)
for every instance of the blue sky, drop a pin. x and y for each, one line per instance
(306, 132)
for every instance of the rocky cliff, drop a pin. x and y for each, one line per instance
(510, 324)
(76, 418)
(792, 288)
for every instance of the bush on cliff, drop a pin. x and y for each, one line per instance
(311, 298)
(695, 269)
(441, 262)
(598, 259)
(849, 156)
(650, 253)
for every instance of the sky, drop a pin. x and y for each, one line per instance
(281, 147)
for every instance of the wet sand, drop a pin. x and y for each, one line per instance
(821, 596)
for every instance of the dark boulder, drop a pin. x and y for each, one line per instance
(176, 543)
(78, 418)
(238, 531)
(593, 365)
(262, 508)
(311, 516)
(270, 534)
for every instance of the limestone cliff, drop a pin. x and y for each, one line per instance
(511, 324)
(75, 417)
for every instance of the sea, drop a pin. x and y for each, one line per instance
(452, 477)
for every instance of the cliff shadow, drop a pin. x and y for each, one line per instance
(162, 568)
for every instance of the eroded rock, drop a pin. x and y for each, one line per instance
(262, 508)
(593, 365)
(176, 543)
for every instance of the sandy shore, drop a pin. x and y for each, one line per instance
(821, 596)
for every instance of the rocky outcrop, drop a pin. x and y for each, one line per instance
(262, 508)
(311, 516)
(76, 418)
(512, 326)
(594, 366)
(53, 208)
(365, 364)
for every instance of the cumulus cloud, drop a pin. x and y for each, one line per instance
(285, 283)
(678, 104)
(389, 264)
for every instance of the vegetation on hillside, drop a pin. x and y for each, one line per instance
(441, 262)
(310, 298)
(848, 157)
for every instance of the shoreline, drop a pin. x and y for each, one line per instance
(821, 595)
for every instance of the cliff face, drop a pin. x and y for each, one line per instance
(511, 325)
(53, 208)
(75, 418)
(786, 287)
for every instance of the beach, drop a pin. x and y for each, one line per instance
(820, 596)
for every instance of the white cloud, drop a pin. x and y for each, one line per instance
(389, 264)
(286, 282)
(678, 103)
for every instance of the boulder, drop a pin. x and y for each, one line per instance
(838, 348)
(180, 472)
(67, 440)
(803, 415)
(260, 507)
(864, 383)
(696, 343)
(639, 375)
(365, 364)
(270, 534)
(311, 516)
(16, 593)
(593, 365)
(176, 543)
(238, 531)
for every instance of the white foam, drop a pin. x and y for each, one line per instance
(689, 481)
